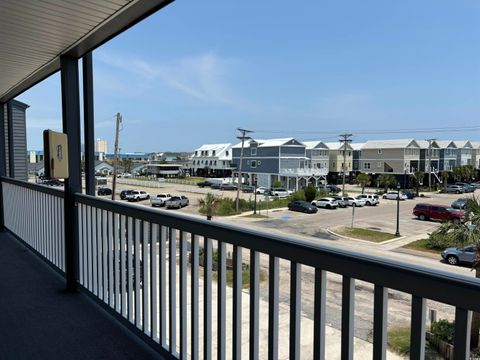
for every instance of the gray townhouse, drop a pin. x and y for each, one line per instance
(464, 152)
(476, 154)
(285, 160)
(447, 155)
(357, 155)
(429, 156)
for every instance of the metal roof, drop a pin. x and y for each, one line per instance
(390, 144)
(35, 33)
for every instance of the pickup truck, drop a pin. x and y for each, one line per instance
(438, 212)
(160, 199)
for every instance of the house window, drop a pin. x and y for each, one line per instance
(213, 152)
(196, 153)
(253, 151)
(366, 166)
(333, 163)
(253, 164)
(379, 151)
(226, 152)
(349, 153)
(215, 162)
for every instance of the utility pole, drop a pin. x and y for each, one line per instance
(345, 138)
(242, 137)
(115, 160)
(430, 163)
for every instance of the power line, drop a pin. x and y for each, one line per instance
(345, 139)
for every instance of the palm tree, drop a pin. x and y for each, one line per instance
(208, 205)
(363, 180)
(461, 235)
(417, 177)
(387, 180)
(445, 175)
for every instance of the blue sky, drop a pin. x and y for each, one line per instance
(197, 70)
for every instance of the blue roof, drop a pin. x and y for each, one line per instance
(128, 156)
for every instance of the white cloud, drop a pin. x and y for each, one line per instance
(204, 77)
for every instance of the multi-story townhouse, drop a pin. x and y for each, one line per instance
(464, 152)
(211, 160)
(476, 154)
(339, 160)
(357, 155)
(285, 160)
(429, 156)
(399, 157)
(318, 155)
(447, 155)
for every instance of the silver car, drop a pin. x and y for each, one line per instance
(455, 256)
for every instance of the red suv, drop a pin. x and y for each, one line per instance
(438, 212)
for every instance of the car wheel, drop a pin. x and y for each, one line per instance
(148, 197)
(368, 203)
(452, 260)
(458, 192)
(422, 217)
(384, 197)
(456, 221)
(328, 206)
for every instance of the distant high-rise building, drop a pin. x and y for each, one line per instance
(101, 146)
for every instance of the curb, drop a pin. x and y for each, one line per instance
(365, 241)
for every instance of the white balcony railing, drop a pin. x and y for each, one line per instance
(304, 172)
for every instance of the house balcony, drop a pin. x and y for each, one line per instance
(304, 172)
(156, 283)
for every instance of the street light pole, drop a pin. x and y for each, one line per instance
(255, 190)
(397, 233)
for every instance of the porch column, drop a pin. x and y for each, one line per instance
(3, 162)
(71, 127)
(11, 164)
(88, 124)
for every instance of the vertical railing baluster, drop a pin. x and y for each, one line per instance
(116, 262)
(319, 314)
(207, 298)
(348, 313)
(154, 277)
(90, 247)
(130, 272)
(194, 299)
(237, 303)
(105, 246)
(295, 308)
(137, 254)
(123, 267)
(172, 261)
(417, 328)
(254, 304)
(163, 285)
(461, 340)
(146, 288)
(111, 259)
(273, 299)
(380, 307)
(183, 295)
(221, 301)
(81, 254)
(97, 225)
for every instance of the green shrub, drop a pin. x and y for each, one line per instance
(398, 340)
(444, 330)
(298, 195)
(439, 241)
(277, 184)
(322, 193)
(310, 193)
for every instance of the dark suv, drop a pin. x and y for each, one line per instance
(124, 193)
(438, 212)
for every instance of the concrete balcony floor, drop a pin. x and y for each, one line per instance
(38, 320)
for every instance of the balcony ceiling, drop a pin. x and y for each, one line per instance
(35, 33)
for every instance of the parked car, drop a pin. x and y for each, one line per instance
(393, 195)
(52, 182)
(455, 189)
(279, 192)
(370, 200)
(203, 184)
(341, 202)
(261, 190)
(351, 201)
(124, 193)
(302, 206)
(177, 202)
(215, 185)
(137, 195)
(455, 256)
(438, 212)
(248, 189)
(330, 188)
(103, 191)
(160, 199)
(466, 186)
(228, 186)
(459, 203)
(410, 194)
(328, 203)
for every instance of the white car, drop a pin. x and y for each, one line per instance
(393, 195)
(279, 192)
(160, 199)
(137, 195)
(370, 200)
(328, 203)
(260, 190)
(351, 201)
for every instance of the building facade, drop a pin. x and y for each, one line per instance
(101, 146)
(16, 137)
(464, 152)
(447, 155)
(211, 160)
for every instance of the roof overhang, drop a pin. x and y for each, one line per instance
(35, 34)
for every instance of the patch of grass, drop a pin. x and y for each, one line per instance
(398, 340)
(245, 277)
(364, 234)
(423, 245)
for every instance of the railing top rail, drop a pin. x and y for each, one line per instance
(37, 187)
(442, 286)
